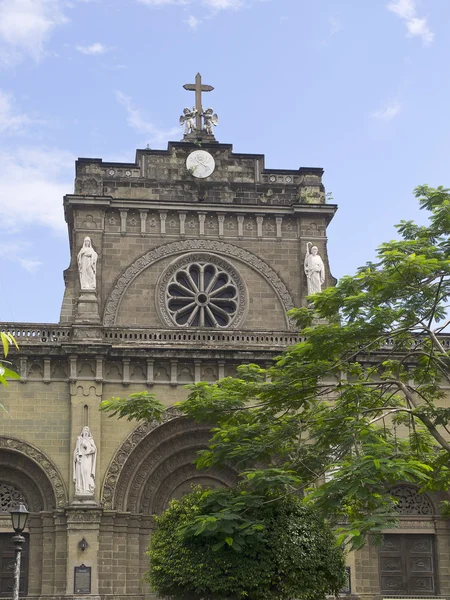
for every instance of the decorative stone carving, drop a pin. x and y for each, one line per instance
(314, 269)
(87, 265)
(188, 120)
(50, 472)
(210, 118)
(216, 246)
(84, 461)
(201, 290)
(10, 497)
(410, 502)
(200, 164)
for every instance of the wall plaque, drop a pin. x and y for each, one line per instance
(82, 580)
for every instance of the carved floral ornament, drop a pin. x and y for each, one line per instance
(10, 496)
(220, 249)
(411, 502)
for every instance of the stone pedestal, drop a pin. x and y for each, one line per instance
(87, 308)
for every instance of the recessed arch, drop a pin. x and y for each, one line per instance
(174, 248)
(154, 461)
(30, 470)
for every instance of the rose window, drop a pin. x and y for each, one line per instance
(202, 294)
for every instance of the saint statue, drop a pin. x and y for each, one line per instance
(188, 118)
(314, 269)
(84, 458)
(87, 265)
(209, 119)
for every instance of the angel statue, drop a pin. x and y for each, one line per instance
(188, 118)
(209, 119)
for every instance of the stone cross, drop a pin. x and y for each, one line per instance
(198, 88)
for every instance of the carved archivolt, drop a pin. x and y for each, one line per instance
(117, 464)
(152, 463)
(22, 457)
(173, 248)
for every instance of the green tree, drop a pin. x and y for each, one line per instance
(290, 552)
(356, 406)
(7, 339)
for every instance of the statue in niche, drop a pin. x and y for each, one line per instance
(87, 265)
(188, 118)
(84, 459)
(209, 119)
(314, 269)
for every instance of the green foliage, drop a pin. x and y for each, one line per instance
(358, 402)
(289, 552)
(7, 339)
(357, 406)
(141, 406)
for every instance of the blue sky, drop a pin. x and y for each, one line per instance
(358, 87)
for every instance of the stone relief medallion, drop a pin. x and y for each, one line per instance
(200, 164)
(201, 290)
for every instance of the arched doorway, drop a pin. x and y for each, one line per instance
(152, 466)
(27, 474)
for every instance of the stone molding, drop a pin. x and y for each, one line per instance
(218, 247)
(48, 475)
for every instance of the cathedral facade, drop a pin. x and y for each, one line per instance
(183, 266)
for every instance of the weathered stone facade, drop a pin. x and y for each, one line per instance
(150, 222)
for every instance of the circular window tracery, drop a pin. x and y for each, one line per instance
(204, 291)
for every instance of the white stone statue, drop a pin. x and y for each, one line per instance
(188, 118)
(84, 459)
(314, 269)
(209, 119)
(87, 265)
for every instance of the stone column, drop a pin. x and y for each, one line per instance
(143, 214)
(182, 216)
(221, 219)
(259, 225)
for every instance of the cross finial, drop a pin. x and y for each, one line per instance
(198, 88)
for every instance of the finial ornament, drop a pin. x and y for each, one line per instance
(192, 119)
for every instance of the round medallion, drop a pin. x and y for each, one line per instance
(200, 164)
(111, 172)
(272, 178)
(288, 179)
(128, 173)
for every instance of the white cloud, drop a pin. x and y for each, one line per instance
(33, 182)
(95, 48)
(10, 120)
(415, 25)
(163, 2)
(193, 22)
(335, 25)
(223, 4)
(389, 112)
(25, 27)
(139, 123)
(29, 264)
(16, 251)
